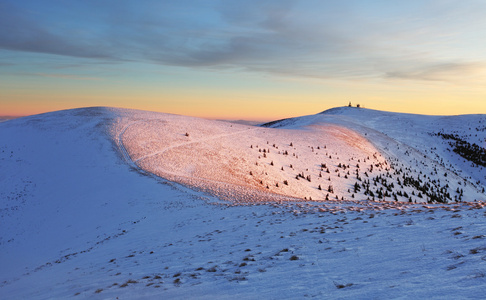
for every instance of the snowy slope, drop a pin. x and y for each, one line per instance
(243, 163)
(80, 219)
(420, 132)
(413, 143)
(341, 154)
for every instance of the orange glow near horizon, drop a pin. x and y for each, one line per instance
(264, 99)
(239, 109)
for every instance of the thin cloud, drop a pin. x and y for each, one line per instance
(57, 75)
(443, 72)
(67, 76)
(419, 40)
(21, 33)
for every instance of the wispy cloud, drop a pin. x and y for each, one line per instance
(67, 76)
(446, 72)
(57, 75)
(420, 40)
(22, 33)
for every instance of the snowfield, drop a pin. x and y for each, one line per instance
(242, 163)
(106, 203)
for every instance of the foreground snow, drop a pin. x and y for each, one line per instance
(79, 219)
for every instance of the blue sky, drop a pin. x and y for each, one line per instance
(232, 57)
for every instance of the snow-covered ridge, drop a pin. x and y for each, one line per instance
(340, 154)
(80, 218)
(418, 142)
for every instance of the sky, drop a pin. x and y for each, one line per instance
(252, 59)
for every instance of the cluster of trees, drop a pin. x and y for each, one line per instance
(471, 152)
(434, 194)
(302, 175)
(395, 183)
(384, 189)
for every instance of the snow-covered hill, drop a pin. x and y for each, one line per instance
(82, 214)
(243, 163)
(341, 154)
(447, 153)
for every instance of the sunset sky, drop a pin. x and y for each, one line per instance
(252, 59)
